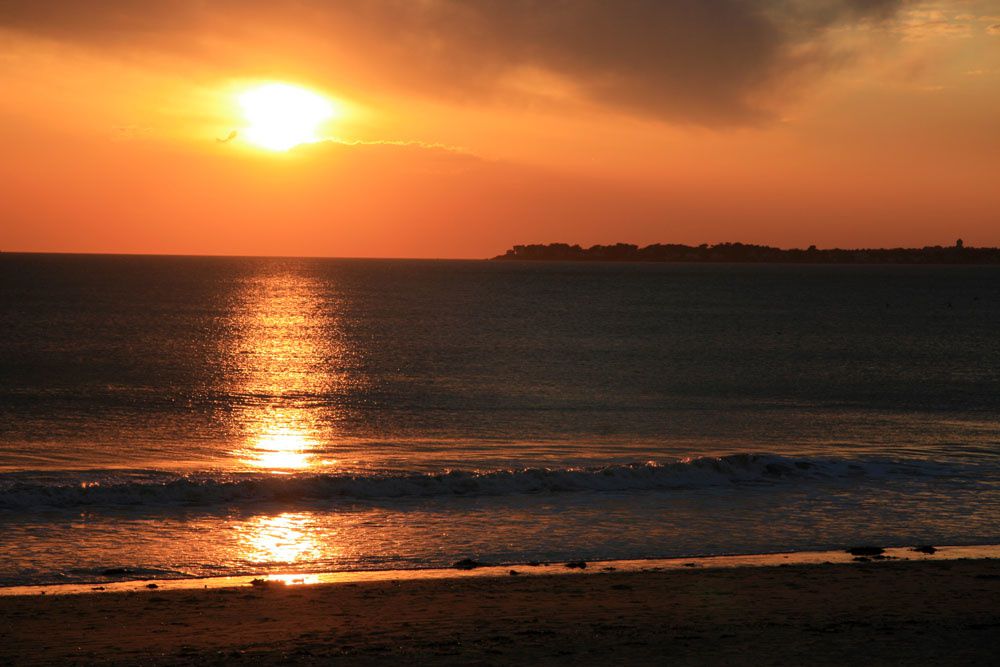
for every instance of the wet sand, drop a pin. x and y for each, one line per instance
(889, 612)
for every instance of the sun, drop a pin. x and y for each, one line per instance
(280, 116)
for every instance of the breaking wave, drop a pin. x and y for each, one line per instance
(164, 489)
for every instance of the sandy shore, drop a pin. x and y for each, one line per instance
(892, 612)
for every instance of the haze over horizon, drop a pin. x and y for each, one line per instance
(449, 129)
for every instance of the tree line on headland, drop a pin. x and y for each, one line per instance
(749, 253)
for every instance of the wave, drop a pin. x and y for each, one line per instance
(161, 489)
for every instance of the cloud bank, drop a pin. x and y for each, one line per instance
(707, 62)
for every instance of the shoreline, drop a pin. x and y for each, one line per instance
(917, 611)
(777, 559)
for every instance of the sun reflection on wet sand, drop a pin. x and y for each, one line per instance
(294, 579)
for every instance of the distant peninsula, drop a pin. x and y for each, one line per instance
(750, 253)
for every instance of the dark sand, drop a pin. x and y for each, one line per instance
(892, 612)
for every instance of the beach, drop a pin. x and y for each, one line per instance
(880, 612)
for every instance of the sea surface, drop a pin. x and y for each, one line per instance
(193, 416)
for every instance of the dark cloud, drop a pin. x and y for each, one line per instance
(711, 62)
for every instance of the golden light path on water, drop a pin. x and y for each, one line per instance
(284, 352)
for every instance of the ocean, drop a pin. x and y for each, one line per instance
(200, 416)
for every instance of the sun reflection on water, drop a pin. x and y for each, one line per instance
(281, 451)
(282, 539)
(286, 364)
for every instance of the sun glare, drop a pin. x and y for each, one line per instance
(280, 116)
(282, 452)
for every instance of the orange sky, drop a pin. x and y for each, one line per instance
(462, 128)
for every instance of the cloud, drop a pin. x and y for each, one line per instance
(923, 24)
(708, 62)
(993, 29)
(383, 157)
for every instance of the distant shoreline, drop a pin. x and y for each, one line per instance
(751, 254)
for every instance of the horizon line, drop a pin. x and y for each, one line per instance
(439, 258)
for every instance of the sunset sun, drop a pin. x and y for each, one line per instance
(280, 116)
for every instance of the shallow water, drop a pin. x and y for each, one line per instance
(195, 416)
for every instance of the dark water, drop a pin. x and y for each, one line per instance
(221, 415)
